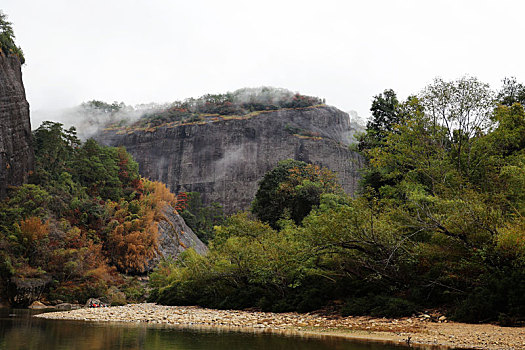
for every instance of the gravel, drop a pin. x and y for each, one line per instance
(420, 330)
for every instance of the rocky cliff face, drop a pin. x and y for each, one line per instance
(16, 153)
(175, 237)
(224, 158)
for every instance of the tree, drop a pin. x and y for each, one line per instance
(7, 39)
(55, 150)
(463, 108)
(291, 190)
(386, 114)
(103, 107)
(201, 218)
(511, 92)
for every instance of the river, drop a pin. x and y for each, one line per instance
(19, 330)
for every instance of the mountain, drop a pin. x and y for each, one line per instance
(224, 156)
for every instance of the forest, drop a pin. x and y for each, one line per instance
(85, 220)
(438, 223)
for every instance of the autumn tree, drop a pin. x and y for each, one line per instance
(133, 230)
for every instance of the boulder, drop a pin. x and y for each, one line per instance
(66, 306)
(175, 237)
(37, 305)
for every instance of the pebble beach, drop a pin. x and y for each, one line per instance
(422, 331)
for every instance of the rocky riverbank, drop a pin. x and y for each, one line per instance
(420, 331)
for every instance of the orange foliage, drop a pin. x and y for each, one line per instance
(182, 201)
(314, 173)
(133, 239)
(33, 229)
(157, 192)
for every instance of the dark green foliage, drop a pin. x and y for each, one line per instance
(7, 39)
(379, 306)
(200, 218)
(63, 163)
(511, 92)
(500, 297)
(439, 223)
(55, 150)
(291, 190)
(387, 112)
(105, 172)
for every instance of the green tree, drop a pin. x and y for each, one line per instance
(55, 150)
(386, 114)
(463, 108)
(201, 218)
(7, 39)
(511, 92)
(291, 190)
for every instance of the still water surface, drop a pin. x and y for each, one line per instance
(18, 330)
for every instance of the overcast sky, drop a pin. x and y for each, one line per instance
(140, 51)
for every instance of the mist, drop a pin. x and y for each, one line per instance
(92, 116)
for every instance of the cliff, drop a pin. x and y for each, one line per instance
(224, 157)
(175, 237)
(16, 153)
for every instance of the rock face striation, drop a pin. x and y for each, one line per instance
(224, 158)
(175, 237)
(16, 152)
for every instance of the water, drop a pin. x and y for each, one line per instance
(18, 330)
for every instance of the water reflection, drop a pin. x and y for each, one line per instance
(25, 332)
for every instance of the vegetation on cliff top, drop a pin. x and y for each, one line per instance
(439, 221)
(7, 39)
(240, 104)
(85, 217)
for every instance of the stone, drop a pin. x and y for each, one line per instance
(16, 152)
(225, 159)
(37, 305)
(65, 307)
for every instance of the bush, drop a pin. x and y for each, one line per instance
(379, 306)
(501, 298)
(7, 42)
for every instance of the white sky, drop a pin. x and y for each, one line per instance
(140, 51)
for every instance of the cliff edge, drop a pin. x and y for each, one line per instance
(16, 152)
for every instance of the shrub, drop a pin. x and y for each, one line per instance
(379, 306)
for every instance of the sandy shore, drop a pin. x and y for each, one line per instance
(420, 331)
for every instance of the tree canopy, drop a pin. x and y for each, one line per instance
(438, 223)
(85, 218)
(7, 39)
(291, 190)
